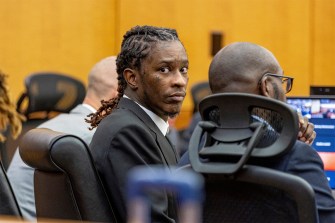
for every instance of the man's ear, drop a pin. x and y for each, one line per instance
(130, 76)
(265, 87)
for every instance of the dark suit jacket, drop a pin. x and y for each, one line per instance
(126, 138)
(304, 161)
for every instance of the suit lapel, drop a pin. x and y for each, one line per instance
(166, 149)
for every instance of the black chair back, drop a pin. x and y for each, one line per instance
(67, 185)
(8, 202)
(46, 95)
(198, 92)
(50, 92)
(244, 135)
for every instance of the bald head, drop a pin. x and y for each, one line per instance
(239, 66)
(102, 82)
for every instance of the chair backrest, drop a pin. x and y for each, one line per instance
(66, 183)
(244, 134)
(50, 92)
(46, 95)
(198, 92)
(8, 202)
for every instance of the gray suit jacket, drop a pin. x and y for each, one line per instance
(21, 175)
(126, 138)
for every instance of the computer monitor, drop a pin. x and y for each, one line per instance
(321, 112)
(322, 90)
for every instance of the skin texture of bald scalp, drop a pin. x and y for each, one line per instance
(102, 82)
(239, 67)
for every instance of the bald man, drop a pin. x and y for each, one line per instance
(102, 85)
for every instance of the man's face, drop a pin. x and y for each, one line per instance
(278, 91)
(163, 79)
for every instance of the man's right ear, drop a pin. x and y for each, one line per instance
(130, 76)
(265, 87)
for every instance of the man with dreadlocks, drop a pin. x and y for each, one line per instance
(152, 71)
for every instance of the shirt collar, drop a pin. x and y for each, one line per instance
(89, 107)
(161, 124)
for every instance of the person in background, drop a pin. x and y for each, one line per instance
(131, 128)
(9, 117)
(249, 68)
(102, 85)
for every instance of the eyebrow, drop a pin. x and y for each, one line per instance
(173, 61)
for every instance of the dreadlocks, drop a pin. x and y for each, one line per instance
(8, 114)
(135, 47)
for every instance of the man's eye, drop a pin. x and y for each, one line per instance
(184, 70)
(164, 70)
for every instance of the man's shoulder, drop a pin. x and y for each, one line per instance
(121, 119)
(304, 152)
(301, 147)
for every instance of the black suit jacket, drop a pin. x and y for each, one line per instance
(127, 138)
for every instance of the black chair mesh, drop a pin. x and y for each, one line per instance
(273, 119)
(50, 92)
(255, 203)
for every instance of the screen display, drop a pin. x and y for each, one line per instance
(321, 112)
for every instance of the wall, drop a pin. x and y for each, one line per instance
(71, 35)
(66, 36)
(323, 43)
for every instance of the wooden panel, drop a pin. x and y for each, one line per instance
(58, 35)
(281, 26)
(323, 40)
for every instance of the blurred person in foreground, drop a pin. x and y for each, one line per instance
(102, 85)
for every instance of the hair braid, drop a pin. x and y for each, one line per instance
(8, 114)
(135, 47)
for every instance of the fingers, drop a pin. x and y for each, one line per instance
(308, 136)
(306, 130)
(311, 139)
(303, 125)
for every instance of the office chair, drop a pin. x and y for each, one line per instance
(47, 94)
(8, 202)
(198, 92)
(239, 143)
(66, 183)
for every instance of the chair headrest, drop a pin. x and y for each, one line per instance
(242, 125)
(36, 145)
(50, 92)
(199, 91)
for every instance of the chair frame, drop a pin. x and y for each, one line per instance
(63, 161)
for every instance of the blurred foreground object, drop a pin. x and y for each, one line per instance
(186, 185)
(9, 117)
